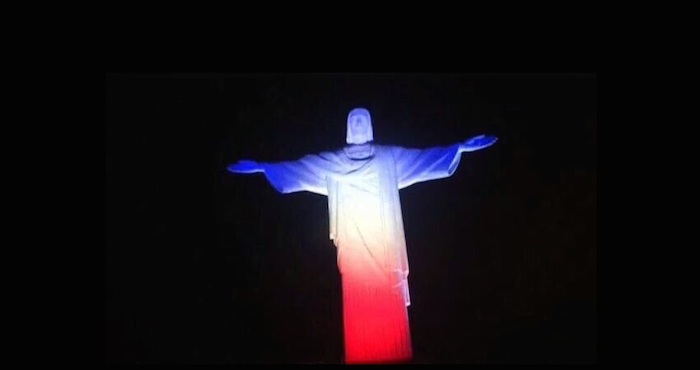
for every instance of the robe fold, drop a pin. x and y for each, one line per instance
(366, 226)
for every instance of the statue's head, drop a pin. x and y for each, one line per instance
(359, 127)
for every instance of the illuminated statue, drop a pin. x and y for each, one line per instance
(362, 183)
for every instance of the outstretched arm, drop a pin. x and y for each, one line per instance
(418, 165)
(305, 174)
(245, 166)
(477, 143)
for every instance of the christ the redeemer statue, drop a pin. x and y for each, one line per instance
(362, 182)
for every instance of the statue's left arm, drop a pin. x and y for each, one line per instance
(418, 165)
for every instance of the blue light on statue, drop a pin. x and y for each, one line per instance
(362, 182)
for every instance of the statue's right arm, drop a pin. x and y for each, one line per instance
(308, 173)
(246, 167)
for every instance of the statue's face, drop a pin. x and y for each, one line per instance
(359, 127)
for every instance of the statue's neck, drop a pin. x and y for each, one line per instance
(359, 151)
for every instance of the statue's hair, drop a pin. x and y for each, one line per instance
(359, 110)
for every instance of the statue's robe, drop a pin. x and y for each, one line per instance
(366, 226)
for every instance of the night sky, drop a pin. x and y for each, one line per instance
(203, 266)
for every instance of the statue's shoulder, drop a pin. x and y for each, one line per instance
(385, 149)
(382, 147)
(332, 155)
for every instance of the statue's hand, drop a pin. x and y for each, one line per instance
(477, 143)
(245, 166)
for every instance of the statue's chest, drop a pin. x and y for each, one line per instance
(361, 180)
